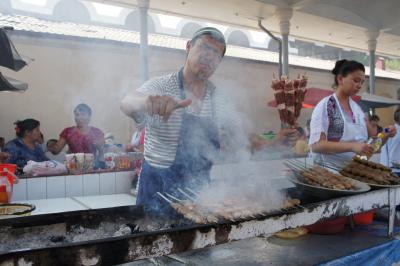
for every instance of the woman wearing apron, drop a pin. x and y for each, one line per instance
(338, 128)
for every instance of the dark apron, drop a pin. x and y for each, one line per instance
(197, 146)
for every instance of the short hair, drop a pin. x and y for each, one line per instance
(49, 141)
(374, 118)
(396, 116)
(83, 107)
(210, 31)
(344, 67)
(21, 127)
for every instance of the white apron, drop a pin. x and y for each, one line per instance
(352, 132)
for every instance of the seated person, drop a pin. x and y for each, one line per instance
(81, 138)
(24, 147)
(4, 156)
(56, 157)
(2, 143)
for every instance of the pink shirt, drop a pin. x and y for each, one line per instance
(78, 142)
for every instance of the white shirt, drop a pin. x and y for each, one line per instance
(391, 150)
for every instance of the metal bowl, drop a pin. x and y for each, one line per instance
(12, 210)
(327, 193)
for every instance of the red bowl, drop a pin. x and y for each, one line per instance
(363, 218)
(330, 227)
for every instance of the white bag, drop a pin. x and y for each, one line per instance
(45, 168)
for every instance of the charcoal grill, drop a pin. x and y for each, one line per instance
(178, 238)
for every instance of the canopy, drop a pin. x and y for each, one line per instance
(340, 23)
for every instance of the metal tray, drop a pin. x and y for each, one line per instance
(327, 193)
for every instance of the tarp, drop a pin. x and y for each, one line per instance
(10, 84)
(375, 101)
(385, 254)
(9, 56)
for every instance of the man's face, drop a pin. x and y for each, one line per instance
(204, 56)
(374, 123)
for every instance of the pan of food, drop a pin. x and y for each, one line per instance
(323, 183)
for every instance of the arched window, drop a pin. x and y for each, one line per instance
(71, 10)
(238, 38)
(132, 22)
(189, 29)
(5, 6)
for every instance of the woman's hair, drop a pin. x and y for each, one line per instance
(83, 107)
(345, 67)
(21, 127)
(396, 116)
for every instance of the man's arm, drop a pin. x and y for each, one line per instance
(136, 105)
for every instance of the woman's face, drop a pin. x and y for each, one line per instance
(34, 134)
(352, 83)
(81, 118)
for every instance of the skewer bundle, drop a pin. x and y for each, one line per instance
(321, 177)
(370, 172)
(289, 96)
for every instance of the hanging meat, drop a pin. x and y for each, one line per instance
(289, 96)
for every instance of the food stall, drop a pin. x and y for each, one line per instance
(123, 234)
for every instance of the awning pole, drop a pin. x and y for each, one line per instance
(284, 15)
(372, 35)
(144, 66)
(278, 40)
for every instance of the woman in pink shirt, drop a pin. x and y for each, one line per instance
(81, 138)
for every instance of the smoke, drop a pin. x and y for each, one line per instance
(250, 184)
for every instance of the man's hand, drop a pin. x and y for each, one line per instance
(288, 136)
(4, 156)
(164, 105)
(390, 131)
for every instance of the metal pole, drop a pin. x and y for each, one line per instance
(284, 15)
(372, 71)
(144, 66)
(278, 40)
(285, 54)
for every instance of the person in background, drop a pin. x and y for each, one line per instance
(3, 155)
(81, 138)
(137, 141)
(60, 157)
(136, 145)
(2, 143)
(374, 122)
(24, 147)
(390, 152)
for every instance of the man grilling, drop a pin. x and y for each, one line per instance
(185, 116)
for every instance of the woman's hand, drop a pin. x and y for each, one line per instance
(362, 149)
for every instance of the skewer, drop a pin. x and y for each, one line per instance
(165, 198)
(187, 195)
(172, 197)
(191, 191)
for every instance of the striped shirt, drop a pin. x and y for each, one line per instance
(162, 137)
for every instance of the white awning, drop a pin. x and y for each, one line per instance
(340, 23)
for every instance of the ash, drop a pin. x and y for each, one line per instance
(34, 237)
